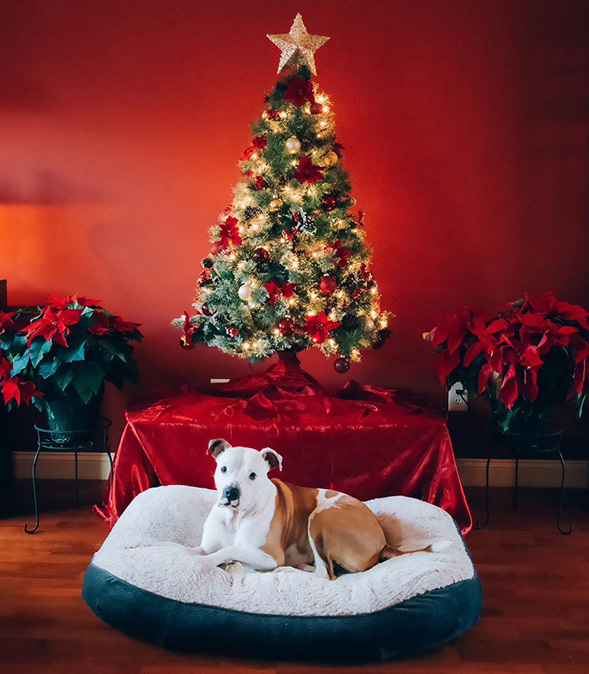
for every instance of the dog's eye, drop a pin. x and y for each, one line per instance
(223, 469)
(253, 476)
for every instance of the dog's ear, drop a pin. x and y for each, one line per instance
(272, 457)
(217, 446)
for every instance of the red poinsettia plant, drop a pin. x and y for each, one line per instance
(68, 347)
(527, 359)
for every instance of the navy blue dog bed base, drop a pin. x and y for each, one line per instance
(420, 623)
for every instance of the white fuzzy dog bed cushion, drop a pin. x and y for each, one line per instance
(147, 570)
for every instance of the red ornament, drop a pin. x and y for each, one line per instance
(307, 172)
(260, 255)
(206, 310)
(341, 365)
(247, 153)
(341, 253)
(328, 202)
(260, 183)
(327, 285)
(318, 327)
(357, 294)
(273, 290)
(271, 114)
(286, 326)
(381, 338)
(259, 142)
(216, 248)
(299, 91)
(229, 232)
(232, 332)
(316, 108)
(288, 289)
(365, 273)
(186, 342)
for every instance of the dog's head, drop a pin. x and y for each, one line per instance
(241, 477)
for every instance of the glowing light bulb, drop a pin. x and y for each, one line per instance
(246, 345)
(323, 123)
(321, 98)
(282, 114)
(255, 155)
(373, 290)
(373, 314)
(326, 108)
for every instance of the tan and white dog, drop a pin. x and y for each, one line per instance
(265, 524)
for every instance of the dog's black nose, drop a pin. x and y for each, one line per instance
(231, 493)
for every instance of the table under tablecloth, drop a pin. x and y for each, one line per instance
(363, 440)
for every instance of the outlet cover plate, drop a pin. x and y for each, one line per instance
(457, 398)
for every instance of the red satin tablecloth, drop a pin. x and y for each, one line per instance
(361, 440)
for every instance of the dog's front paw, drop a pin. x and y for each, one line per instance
(235, 568)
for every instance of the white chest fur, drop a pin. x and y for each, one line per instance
(229, 527)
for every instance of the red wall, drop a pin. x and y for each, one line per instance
(466, 133)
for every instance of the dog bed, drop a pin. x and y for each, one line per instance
(148, 581)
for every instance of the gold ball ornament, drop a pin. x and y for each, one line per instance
(330, 159)
(293, 145)
(275, 205)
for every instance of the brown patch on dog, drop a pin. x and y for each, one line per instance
(288, 527)
(217, 446)
(348, 534)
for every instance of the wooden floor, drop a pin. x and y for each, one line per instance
(535, 614)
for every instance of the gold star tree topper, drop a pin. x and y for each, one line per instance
(298, 47)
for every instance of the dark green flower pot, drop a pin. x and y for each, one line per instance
(546, 440)
(71, 419)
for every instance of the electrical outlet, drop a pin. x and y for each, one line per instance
(457, 398)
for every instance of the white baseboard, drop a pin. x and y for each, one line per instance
(61, 465)
(532, 473)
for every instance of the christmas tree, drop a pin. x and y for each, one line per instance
(289, 268)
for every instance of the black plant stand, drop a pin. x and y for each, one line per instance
(85, 440)
(526, 446)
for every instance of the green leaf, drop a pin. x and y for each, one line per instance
(64, 376)
(76, 350)
(48, 368)
(19, 364)
(87, 380)
(39, 347)
(582, 401)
